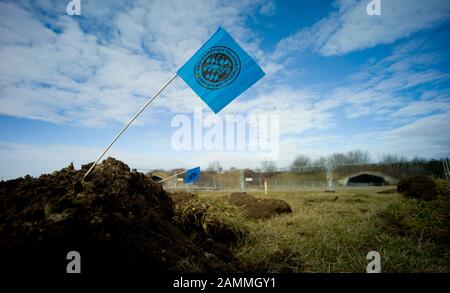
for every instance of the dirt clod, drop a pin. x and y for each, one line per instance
(420, 187)
(259, 208)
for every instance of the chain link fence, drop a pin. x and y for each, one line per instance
(312, 177)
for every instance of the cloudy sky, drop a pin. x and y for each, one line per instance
(338, 78)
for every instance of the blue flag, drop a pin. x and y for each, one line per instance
(220, 71)
(192, 175)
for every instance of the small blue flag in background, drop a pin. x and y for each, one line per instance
(220, 71)
(192, 175)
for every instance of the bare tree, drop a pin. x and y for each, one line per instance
(268, 166)
(300, 160)
(338, 159)
(358, 157)
(392, 158)
(321, 161)
(215, 166)
(418, 159)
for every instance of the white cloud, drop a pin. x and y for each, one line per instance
(102, 68)
(426, 137)
(18, 159)
(350, 28)
(421, 108)
(390, 88)
(298, 110)
(268, 8)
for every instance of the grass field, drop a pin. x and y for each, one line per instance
(333, 232)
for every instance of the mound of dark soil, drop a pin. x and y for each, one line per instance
(118, 220)
(420, 187)
(259, 208)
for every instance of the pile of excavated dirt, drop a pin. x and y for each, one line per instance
(420, 187)
(259, 208)
(118, 220)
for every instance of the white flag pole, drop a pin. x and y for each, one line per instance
(171, 176)
(129, 122)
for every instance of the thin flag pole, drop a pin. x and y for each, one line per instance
(171, 176)
(129, 122)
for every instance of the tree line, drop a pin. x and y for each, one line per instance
(351, 157)
(336, 159)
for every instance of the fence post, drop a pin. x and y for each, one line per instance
(329, 172)
(242, 180)
(445, 163)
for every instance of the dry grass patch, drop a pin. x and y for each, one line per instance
(333, 233)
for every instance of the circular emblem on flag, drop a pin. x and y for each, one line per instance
(217, 67)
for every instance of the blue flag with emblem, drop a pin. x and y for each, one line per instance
(192, 175)
(220, 71)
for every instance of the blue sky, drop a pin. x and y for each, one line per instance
(337, 78)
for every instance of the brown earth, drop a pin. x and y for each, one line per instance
(119, 221)
(259, 208)
(420, 187)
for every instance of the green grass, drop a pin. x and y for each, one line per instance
(212, 217)
(324, 234)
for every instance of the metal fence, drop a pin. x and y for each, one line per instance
(314, 177)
